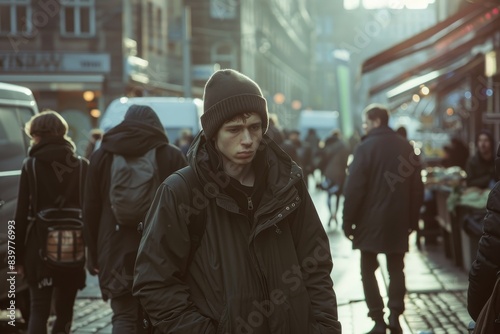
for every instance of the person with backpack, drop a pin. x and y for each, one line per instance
(52, 180)
(134, 158)
(233, 243)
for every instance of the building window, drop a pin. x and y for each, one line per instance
(160, 32)
(223, 9)
(151, 30)
(224, 54)
(14, 16)
(78, 18)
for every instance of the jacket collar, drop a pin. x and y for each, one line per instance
(381, 130)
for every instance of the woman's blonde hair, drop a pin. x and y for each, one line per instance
(48, 123)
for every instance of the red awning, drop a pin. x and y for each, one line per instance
(438, 79)
(478, 19)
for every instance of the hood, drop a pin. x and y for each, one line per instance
(139, 132)
(53, 149)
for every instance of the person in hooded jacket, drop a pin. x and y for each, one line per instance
(112, 248)
(56, 167)
(486, 266)
(263, 262)
(383, 193)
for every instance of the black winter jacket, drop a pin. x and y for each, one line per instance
(383, 193)
(111, 249)
(482, 275)
(269, 274)
(56, 167)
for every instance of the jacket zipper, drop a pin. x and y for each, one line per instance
(250, 203)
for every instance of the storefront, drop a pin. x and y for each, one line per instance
(449, 90)
(453, 92)
(59, 81)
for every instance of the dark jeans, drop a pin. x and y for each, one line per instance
(397, 287)
(127, 315)
(41, 301)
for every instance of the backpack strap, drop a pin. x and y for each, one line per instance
(30, 169)
(71, 186)
(196, 226)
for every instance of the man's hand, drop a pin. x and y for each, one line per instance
(91, 267)
(349, 230)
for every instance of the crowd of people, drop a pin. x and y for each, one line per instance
(231, 241)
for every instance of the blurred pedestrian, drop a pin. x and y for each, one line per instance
(402, 132)
(383, 195)
(184, 141)
(112, 247)
(263, 263)
(480, 168)
(333, 165)
(486, 266)
(56, 169)
(274, 132)
(94, 142)
(456, 154)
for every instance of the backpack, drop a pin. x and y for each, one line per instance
(196, 225)
(488, 321)
(59, 229)
(133, 185)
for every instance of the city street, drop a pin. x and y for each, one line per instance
(435, 299)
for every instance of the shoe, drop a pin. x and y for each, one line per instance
(394, 325)
(379, 328)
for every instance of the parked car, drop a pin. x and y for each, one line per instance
(17, 106)
(176, 114)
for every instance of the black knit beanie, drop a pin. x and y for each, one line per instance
(227, 94)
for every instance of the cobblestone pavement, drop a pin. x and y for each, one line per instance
(435, 302)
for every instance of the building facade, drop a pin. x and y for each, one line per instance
(63, 49)
(268, 40)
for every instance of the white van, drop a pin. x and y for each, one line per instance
(17, 106)
(175, 113)
(323, 121)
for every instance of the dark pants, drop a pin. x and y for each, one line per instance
(126, 315)
(41, 301)
(397, 288)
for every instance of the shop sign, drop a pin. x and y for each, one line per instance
(54, 62)
(202, 72)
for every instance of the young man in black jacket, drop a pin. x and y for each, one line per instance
(263, 263)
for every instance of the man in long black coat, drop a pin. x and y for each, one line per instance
(383, 195)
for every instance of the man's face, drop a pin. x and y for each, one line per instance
(370, 124)
(483, 145)
(239, 139)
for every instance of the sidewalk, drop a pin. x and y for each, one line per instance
(435, 301)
